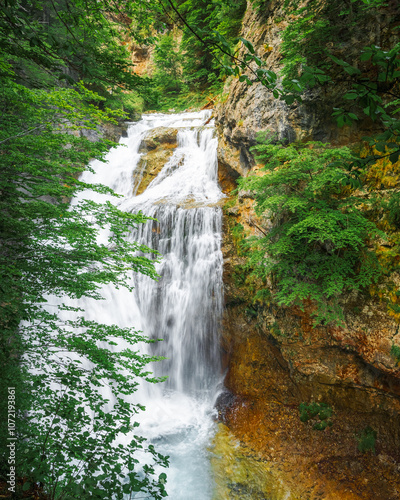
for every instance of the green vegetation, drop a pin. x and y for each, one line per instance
(319, 412)
(317, 28)
(63, 69)
(395, 351)
(189, 67)
(327, 205)
(366, 440)
(61, 66)
(317, 248)
(238, 234)
(202, 66)
(167, 63)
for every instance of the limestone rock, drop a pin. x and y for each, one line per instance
(249, 110)
(157, 148)
(158, 136)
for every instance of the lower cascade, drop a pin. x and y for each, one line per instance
(184, 306)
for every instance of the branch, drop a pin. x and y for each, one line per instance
(23, 133)
(205, 43)
(252, 223)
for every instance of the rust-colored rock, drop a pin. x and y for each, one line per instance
(275, 360)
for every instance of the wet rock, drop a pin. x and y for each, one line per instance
(157, 148)
(157, 137)
(225, 402)
(227, 177)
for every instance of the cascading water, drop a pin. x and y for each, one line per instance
(184, 307)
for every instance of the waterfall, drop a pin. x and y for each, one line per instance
(184, 306)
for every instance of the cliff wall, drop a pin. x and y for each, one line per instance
(275, 360)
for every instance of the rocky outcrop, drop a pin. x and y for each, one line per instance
(157, 148)
(274, 358)
(157, 137)
(110, 131)
(249, 110)
(140, 56)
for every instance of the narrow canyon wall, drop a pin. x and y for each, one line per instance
(274, 358)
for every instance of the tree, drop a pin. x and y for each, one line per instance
(167, 61)
(207, 27)
(67, 441)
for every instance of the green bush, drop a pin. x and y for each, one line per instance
(321, 412)
(317, 247)
(131, 103)
(395, 351)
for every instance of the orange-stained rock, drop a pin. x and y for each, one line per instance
(275, 360)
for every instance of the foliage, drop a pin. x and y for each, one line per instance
(208, 18)
(167, 76)
(311, 44)
(131, 103)
(80, 443)
(73, 40)
(315, 26)
(366, 440)
(370, 73)
(68, 438)
(317, 248)
(301, 40)
(54, 54)
(196, 63)
(395, 351)
(316, 411)
(237, 233)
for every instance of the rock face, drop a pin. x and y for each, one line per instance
(251, 109)
(109, 131)
(157, 137)
(157, 148)
(275, 361)
(274, 358)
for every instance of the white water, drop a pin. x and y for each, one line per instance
(184, 306)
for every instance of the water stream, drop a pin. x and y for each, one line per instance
(184, 306)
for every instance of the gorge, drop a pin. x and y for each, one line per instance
(210, 308)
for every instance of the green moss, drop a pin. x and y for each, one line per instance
(395, 351)
(239, 475)
(366, 440)
(318, 413)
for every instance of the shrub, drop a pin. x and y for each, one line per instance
(317, 247)
(321, 413)
(366, 440)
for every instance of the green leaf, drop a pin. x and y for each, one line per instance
(26, 486)
(351, 95)
(394, 157)
(248, 45)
